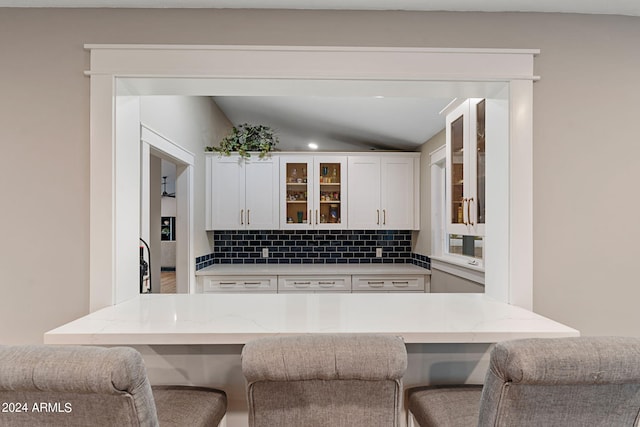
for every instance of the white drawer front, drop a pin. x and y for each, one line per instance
(240, 284)
(388, 283)
(314, 284)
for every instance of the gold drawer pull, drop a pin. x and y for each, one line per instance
(252, 284)
(326, 284)
(301, 284)
(404, 284)
(227, 284)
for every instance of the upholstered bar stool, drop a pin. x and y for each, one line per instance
(346, 380)
(588, 381)
(94, 386)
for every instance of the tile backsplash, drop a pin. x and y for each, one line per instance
(309, 247)
(421, 260)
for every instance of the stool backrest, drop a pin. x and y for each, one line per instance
(75, 386)
(325, 380)
(585, 381)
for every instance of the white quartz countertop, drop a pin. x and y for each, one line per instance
(236, 318)
(309, 269)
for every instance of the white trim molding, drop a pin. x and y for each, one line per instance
(165, 148)
(304, 70)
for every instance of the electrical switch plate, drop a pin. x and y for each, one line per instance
(265, 252)
(378, 252)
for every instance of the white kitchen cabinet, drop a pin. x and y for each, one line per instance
(338, 283)
(242, 193)
(384, 283)
(312, 192)
(247, 284)
(383, 192)
(465, 136)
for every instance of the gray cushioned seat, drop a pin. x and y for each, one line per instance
(584, 381)
(95, 386)
(347, 380)
(434, 406)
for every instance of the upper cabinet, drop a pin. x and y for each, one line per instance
(465, 135)
(241, 193)
(313, 192)
(383, 192)
(291, 191)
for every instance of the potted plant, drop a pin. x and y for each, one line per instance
(245, 138)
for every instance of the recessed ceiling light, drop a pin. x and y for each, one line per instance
(313, 145)
(378, 96)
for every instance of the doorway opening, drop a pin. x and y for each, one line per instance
(166, 216)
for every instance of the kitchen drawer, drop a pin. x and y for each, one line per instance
(261, 284)
(314, 284)
(381, 283)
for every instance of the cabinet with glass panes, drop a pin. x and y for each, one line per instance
(466, 168)
(313, 192)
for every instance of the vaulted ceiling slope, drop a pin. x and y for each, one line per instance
(609, 7)
(339, 124)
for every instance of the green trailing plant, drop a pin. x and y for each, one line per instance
(245, 138)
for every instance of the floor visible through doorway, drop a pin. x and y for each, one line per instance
(168, 282)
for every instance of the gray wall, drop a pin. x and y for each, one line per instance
(585, 149)
(422, 239)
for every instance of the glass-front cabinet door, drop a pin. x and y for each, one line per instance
(296, 192)
(465, 135)
(479, 206)
(313, 192)
(330, 192)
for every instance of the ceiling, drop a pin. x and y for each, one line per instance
(340, 123)
(610, 7)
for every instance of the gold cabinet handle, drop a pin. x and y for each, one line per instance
(326, 284)
(248, 216)
(227, 284)
(465, 202)
(301, 284)
(251, 284)
(469, 211)
(384, 217)
(378, 220)
(241, 216)
(309, 220)
(316, 216)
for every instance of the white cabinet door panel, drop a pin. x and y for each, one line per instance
(364, 192)
(242, 193)
(223, 284)
(397, 193)
(261, 195)
(380, 283)
(227, 194)
(383, 192)
(287, 284)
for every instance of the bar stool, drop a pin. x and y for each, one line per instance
(350, 380)
(582, 381)
(82, 386)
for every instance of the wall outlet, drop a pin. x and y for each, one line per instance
(265, 252)
(378, 252)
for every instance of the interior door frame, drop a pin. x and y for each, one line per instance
(395, 72)
(160, 146)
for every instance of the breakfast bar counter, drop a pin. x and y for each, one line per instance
(156, 319)
(196, 339)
